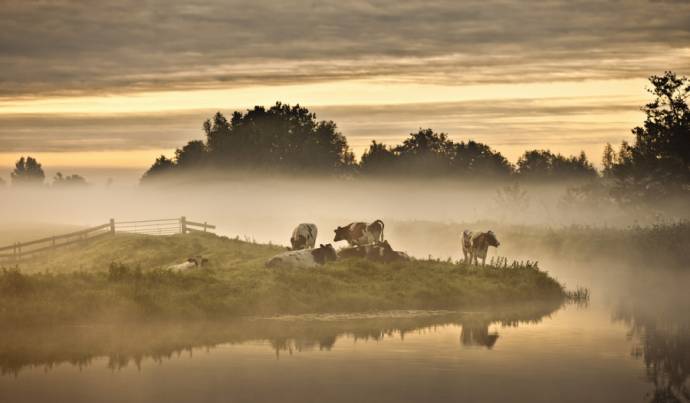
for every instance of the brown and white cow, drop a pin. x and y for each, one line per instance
(360, 233)
(480, 245)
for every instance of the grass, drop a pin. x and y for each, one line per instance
(124, 277)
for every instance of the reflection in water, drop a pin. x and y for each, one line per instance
(123, 345)
(663, 337)
(477, 334)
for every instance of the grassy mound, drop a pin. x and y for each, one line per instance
(124, 277)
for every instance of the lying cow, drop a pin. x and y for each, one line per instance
(190, 263)
(379, 252)
(467, 245)
(304, 258)
(303, 236)
(480, 245)
(360, 233)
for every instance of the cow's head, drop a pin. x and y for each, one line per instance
(328, 252)
(491, 239)
(341, 233)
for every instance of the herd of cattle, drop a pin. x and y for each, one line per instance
(366, 241)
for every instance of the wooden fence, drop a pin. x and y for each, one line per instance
(23, 250)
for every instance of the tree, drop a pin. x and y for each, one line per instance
(543, 164)
(426, 153)
(607, 160)
(282, 138)
(192, 155)
(378, 159)
(70, 180)
(479, 159)
(657, 164)
(27, 171)
(662, 144)
(162, 166)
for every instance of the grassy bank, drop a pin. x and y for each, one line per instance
(123, 277)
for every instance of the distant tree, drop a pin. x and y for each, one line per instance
(2, 182)
(429, 153)
(27, 171)
(162, 166)
(192, 155)
(426, 152)
(543, 164)
(479, 159)
(282, 138)
(608, 159)
(378, 159)
(70, 180)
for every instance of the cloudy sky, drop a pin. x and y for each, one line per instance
(113, 84)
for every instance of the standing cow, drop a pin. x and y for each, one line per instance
(360, 233)
(304, 258)
(480, 245)
(467, 245)
(303, 236)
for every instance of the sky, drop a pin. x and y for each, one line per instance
(88, 85)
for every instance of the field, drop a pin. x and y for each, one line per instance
(125, 278)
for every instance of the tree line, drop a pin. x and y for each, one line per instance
(290, 140)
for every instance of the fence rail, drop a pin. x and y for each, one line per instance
(168, 226)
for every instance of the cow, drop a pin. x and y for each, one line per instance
(467, 245)
(190, 263)
(360, 233)
(303, 236)
(379, 252)
(480, 245)
(304, 258)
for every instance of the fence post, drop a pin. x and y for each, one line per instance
(112, 226)
(53, 242)
(204, 226)
(183, 224)
(14, 251)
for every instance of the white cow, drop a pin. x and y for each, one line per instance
(190, 263)
(303, 236)
(304, 258)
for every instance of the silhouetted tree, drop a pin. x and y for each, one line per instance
(192, 155)
(69, 180)
(27, 171)
(282, 138)
(658, 163)
(607, 160)
(479, 159)
(426, 152)
(378, 159)
(162, 166)
(543, 164)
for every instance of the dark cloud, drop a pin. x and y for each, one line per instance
(89, 46)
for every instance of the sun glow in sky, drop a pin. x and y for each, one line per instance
(118, 85)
